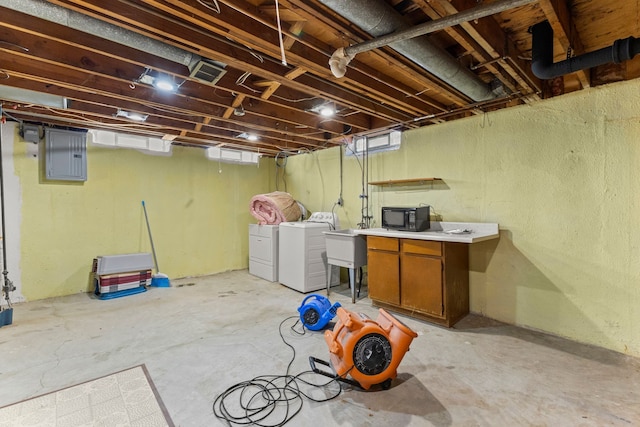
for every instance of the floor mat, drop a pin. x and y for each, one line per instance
(125, 398)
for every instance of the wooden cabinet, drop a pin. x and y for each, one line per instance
(422, 278)
(383, 267)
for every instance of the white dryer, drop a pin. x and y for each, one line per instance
(263, 251)
(302, 253)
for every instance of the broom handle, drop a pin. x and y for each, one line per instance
(153, 249)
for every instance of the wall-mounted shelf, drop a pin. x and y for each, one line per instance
(410, 181)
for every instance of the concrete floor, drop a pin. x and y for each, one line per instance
(203, 335)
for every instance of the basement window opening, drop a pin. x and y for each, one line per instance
(150, 145)
(228, 155)
(375, 143)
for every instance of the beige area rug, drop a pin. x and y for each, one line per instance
(125, 398)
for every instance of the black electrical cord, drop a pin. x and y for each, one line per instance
(281, 163)
(269, 400)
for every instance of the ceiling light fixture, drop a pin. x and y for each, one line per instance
(161, 81)
(326, 109)
(132, 115)
(248, 136)
(165, 82)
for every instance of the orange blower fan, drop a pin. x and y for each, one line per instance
(369, 351)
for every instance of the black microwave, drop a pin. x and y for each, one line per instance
(406, 219)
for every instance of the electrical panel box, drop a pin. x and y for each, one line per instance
(66, 155)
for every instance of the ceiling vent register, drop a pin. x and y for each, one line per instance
(206, 72)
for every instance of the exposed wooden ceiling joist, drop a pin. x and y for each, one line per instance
(276, 99)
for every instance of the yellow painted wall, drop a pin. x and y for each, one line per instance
(562, 179)
(198, 211)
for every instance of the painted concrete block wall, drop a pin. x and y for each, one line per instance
(561, 177)
(198, 211)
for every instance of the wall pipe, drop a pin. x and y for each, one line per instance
(343, 56)
(542, 63)
(6, 318)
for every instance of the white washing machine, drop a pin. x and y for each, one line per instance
(302, 253)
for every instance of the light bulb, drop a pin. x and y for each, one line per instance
(327, 111)
(164, 84)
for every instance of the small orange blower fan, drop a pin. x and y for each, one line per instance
(369, 351)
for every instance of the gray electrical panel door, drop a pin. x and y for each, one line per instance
(66, 155)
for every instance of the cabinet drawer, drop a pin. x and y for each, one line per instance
(421, 247)
(383, 243)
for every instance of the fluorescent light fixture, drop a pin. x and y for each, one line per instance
(132, 115)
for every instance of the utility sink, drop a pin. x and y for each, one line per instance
(346, 249)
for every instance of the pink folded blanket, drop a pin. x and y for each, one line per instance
(274, 208)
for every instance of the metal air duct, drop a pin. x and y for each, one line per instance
(77, 21)
(542, 63)
(380, 20)
(377, 18)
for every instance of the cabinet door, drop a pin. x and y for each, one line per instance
(384, 276)
(422, 284)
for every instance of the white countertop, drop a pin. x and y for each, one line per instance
(462, 232)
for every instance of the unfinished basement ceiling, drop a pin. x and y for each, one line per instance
(100, 55)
